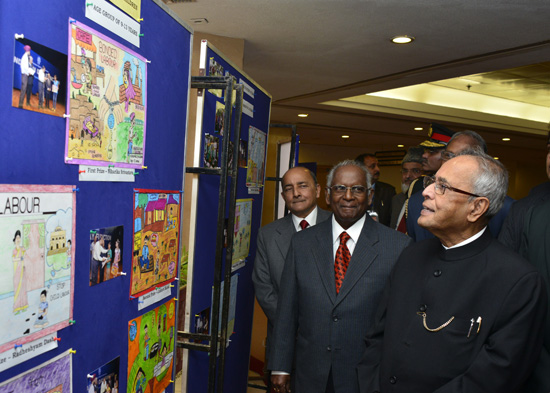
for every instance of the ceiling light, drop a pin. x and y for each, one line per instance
(496, 158)
(303, 115)
(505, 139)
(199, 21)
(418, 128)
(402, 39)
(400, 145)
(345, 136)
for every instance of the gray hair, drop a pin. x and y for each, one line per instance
(357, 164)
(478, 139)
(490, 181)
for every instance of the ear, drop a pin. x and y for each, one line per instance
(327, 196)
(318, 191)
(478, 209)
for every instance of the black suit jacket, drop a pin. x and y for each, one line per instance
(383, 194)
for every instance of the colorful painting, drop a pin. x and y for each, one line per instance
(256, 158)
(241, 233)
(37, 224)
(107, 101)
(105, 378)
(105, 253)
(211, 151)
(54, 376)
(156, 239)
(151, 339)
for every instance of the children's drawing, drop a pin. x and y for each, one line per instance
(105, 378)
(211, 151)
(156, 239)
(36, 277)
(107, 101)
(53, 376)
(105, 253)
(151, 350)
(241, 235)
(256, 158)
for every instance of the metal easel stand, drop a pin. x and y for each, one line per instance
(218, 339)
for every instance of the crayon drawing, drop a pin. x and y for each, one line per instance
(256, 158)
(107, 101)
(53, 376)
(151, 349)
(37, 247)
(156, 239)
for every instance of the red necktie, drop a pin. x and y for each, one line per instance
(341, 262)
(304, 224)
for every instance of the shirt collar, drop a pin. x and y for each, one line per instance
(311, 219)
(467, 241)
(353, 231)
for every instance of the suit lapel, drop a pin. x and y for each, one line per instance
(285, 231)
(363, 256)
(322, 255)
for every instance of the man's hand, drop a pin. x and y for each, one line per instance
(281, 383)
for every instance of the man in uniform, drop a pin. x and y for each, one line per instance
(460, 312)
(411, 169)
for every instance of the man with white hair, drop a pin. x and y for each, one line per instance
(460, 312)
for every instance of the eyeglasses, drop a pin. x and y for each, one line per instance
(440, 187)
(414, 171)
(447, 155)
(340, 189)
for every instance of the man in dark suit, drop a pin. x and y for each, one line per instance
(382, 193)
(332, 280)
(300, 192)
(460, 312)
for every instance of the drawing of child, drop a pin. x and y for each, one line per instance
(141, 381)
(144, 260)
(146, 340)
(42, 320)
(131, 135)
(69, 253)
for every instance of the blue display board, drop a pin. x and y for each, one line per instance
(258, 104)
(32, 152)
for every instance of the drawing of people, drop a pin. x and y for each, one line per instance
(144, 260)
(42, 320)
(131, 135)
(20, 302)
(89, 127)
(88, 68)
(146, 339)
(129, 87)
(116, 262)
(69, 253)
(141, 381)
(157, 262)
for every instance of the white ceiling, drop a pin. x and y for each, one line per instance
(312, 55)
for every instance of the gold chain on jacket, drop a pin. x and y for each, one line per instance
(437, 329)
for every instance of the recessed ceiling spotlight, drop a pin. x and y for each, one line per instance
(496, 158)
(400, 145)
(303, 115)
(199, 21)
(345, 136)
(418, 128)
(506, 139)
(402, 39)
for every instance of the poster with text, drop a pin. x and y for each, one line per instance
(107, 101)
(151, 349)
(256, 158)
(156, 239)
(37, 224)
(241, 235)
(54, 376)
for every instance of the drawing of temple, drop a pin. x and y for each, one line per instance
(58, 241)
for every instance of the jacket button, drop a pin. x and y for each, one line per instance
(329, 348)
(437, 273)
(393, 380)
(423, 308)
(335, 318)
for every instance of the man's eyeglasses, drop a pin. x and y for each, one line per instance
(440, 187)
(414, 171)
(340, 189)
